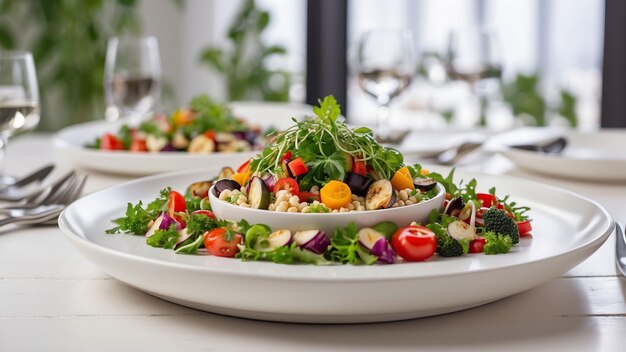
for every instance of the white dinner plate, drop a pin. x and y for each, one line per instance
(568, 228)
(598, 156)
(70, 143)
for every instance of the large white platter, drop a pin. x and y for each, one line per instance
(70, 143)
(599, 156)
(568, 229)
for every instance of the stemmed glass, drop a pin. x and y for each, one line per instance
(132, 77)
(473, 56)
(385, 66)
(19, 99)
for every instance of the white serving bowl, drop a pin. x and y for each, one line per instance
(328, 222)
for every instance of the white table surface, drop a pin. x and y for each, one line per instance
(53, 299)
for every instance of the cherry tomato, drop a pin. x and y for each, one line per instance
(176, 204)
(287, 183)
(359, 167)
(298, 167)
(244, 167)
(206, 213)
(414, 243)
(110, 142)
(524, 227)
(308, 196)
(138, 145)
(210, 135)
(487, 199)
(287, 156)
(216, 244)
(477, 245)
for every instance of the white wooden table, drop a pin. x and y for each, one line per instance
(53, 299)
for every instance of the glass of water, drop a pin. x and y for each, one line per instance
(132, 77)
(385, 65)
(19, 98)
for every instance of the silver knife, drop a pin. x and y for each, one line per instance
(620, 248)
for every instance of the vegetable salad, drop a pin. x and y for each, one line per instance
(322, 165)
(203, 127)
(469, 222)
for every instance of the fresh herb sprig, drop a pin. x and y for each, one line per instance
(324, 142)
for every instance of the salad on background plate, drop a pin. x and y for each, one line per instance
(204, 127)
(320, 165)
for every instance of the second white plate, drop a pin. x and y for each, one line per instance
(70, 143)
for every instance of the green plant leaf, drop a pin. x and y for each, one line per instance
(7, 41)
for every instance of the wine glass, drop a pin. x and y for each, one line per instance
(132, 77)
(385, 66)
(473, 56)
(19, 99)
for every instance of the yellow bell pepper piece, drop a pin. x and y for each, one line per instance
(402, 179)
(336, 195)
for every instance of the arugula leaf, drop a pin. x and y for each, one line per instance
(328, 110)
(308, 257)
(345, 247)
(281, 255)
(164, 238)
(447, 182)
(497, 243)
(134, 222)
(160, 203)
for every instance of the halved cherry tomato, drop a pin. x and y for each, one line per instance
(487, 199)
(244, 167)
(176, 204)
(524, 227)
(414, 243)
(297, 167)
(308, 196)
(217, 245)
(287, 156)
(110, 142)
(477, 245)
(359, 167)
(336, 194)
(288, 184)
(138, 145)
(206, 213)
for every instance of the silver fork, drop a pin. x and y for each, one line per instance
(46, 214)
(68, 198)
(48, 195)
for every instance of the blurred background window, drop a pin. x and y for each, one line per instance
(550, 55)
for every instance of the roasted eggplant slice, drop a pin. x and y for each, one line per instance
(225, 184)
(460, 230)
(424, 184)
(455, 206)
(358, 183)
(199, 189)
(225, 172)
(258, 194)
(380, 195)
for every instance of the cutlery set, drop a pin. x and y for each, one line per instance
(29, 203)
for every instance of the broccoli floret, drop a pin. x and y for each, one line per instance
(496, 243)
(496, 220)
(446, 245)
